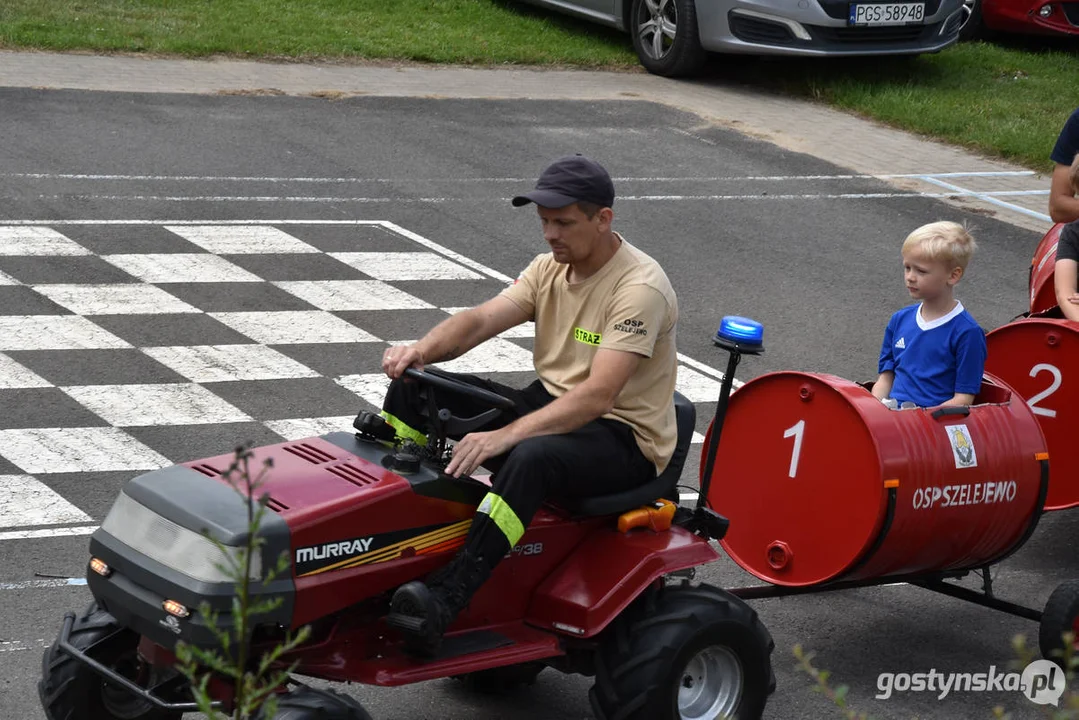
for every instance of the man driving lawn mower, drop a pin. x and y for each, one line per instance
(600, 419)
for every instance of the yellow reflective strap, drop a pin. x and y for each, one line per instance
(504, 517)
(404, 430)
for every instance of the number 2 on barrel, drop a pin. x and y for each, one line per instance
(1057, 378)
(796, 431)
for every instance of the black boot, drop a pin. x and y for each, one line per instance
(423, 611)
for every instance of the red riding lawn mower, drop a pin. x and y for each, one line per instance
(601, 587)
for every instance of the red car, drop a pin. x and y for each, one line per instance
(1040, 17)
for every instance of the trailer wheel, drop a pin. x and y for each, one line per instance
(684, 652)
(70, 690)
(495, 681)
(310, 704)
(1061, 615)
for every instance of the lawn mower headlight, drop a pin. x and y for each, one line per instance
(172, 545)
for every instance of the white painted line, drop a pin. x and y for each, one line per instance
(485, 200)
(294, 327)
(131, 299)
(13, 375)
(50, 583)
(336, 295)
(445, 251)
(38, 451)
(397, 180)
(37, 241)
(181, 268)
(989, 198)
(180, 223)
(696, 386)
(256, 239)
(24, 500)
(391, 266)
(147, 405)
(371, 387)
(226, 363)
(300, 428)
(55, 332)
(495, 355)
(524, 330)
(20, 645)
(697, 365)
(8, 280)
(47, 533)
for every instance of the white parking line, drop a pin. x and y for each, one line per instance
(991, 197)
(360, 180)
(958, 192)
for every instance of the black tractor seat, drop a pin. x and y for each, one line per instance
(662, 486)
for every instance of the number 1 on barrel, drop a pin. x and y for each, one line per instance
(795, 431)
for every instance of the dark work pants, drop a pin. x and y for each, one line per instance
(599, 458)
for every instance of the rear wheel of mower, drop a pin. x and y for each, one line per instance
(496, 681)
(311, 704)
(1061, 615)
(70, 690)
(684, 653)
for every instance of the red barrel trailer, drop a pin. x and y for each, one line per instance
(1040, 285)
(826, 488)
(1039, 359)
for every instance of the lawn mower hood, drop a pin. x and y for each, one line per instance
(337, 506)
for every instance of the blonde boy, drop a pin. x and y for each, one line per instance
(933, 351)
(1065, 273)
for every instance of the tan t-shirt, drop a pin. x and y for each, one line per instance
(628, 305)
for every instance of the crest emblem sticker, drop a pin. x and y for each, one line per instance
(962, 446)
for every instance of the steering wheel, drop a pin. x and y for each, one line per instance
(456, 386)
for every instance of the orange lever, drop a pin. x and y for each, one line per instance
(657, 516)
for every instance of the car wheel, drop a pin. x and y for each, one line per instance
(688, 653)
(665, 36)
(972, 26)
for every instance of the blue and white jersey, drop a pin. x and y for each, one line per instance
(933, 360)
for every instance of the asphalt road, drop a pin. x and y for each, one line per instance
(740, 227)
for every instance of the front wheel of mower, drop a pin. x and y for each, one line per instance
(310, 704)
(684, 653)
(1061, 615)
(70, 690)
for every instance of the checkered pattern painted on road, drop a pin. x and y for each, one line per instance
(122, 345)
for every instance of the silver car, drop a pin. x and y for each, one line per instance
(672, 37)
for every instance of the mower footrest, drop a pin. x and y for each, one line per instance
(464, 652)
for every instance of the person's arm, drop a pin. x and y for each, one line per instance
(1063, 205)
(593, 398)
(883, 386)
(958, 399)
(885, 364)
(1066, 284)
(455, 336)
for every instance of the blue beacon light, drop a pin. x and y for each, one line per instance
(741, 334)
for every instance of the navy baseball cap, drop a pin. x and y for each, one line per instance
(570, 179)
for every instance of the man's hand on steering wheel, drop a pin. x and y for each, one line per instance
(399, 358)
(475, 448)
